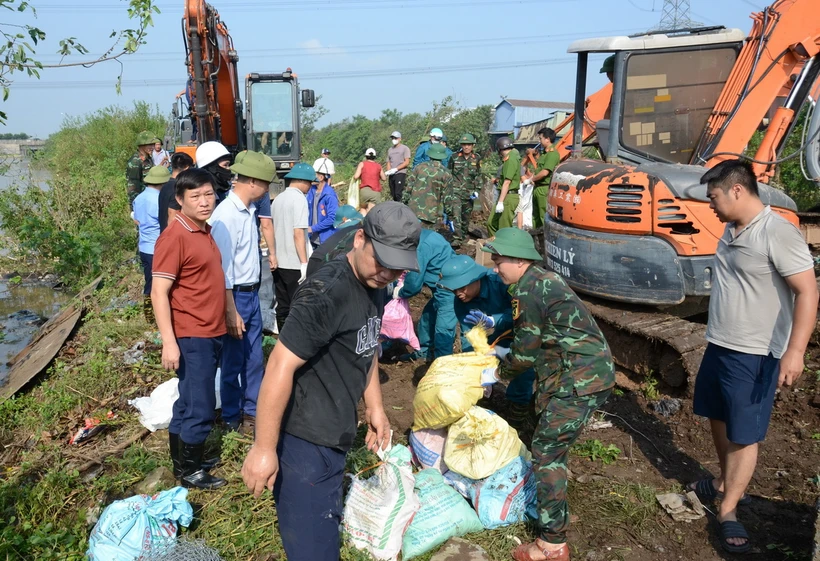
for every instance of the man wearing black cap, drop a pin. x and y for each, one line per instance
(326, 360)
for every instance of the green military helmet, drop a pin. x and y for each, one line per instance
(254, 165)
(609, 64)
(157, 175)
(466, 138)
(346, 215)
(145, 137)
(512, 242)
(437, 152)
(302, 171)
(459, 271)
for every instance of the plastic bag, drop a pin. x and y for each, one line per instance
(156, 410)
(451, 386)
(481, 443)
(353, 194)
(427, 446)
(378, 510)
(129, 528)
(444, 514)
(397, 323)
(507, 496)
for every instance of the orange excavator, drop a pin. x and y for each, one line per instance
(635, 227)
(211, 108)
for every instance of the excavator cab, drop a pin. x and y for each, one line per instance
(272, 105)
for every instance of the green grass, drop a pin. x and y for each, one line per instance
(596, 450)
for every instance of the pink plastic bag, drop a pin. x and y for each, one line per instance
(397, 323)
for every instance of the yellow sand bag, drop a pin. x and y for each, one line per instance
(451, 386)
(481, 443)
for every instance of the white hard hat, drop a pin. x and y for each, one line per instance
(209, 152)
(370, 152)
(325, 166)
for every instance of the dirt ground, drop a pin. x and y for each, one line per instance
(664, 454)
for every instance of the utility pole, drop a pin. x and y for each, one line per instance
(676, 16)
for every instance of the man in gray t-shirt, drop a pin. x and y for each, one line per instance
(290, 223)
(762, 312)
(398, 159)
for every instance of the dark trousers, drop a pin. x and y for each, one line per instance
(396, 182)
(147, 260)
(194, 410)
(242, 361)
(285, 282)
(308, 495)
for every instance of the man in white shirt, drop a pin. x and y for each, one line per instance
(290, 223)
(762, 312)
(234, 229)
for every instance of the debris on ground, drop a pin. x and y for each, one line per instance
(599, 425)
(135, 354)
(457, 549)
(182, 550)
(158, 480)
(666, 407)
(156, 409)
(91, 428)
(682, 508)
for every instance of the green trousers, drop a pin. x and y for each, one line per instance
(506, 218)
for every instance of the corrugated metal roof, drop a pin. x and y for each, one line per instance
(540, 104)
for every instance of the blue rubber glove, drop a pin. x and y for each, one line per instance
(501, 352)
(477, 317)
(488, 377)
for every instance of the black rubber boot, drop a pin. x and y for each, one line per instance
(192, 473)
(173, 441)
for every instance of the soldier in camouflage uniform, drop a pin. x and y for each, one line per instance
(555, 334)
(139, 165)
(427, 188)
(465, 166)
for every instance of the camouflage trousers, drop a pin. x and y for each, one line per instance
(462, 208)
(432, 226)
(558, 428)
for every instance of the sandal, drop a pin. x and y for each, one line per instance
(734, 529)
(521, 553)
(705, 490)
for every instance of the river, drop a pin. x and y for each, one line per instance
(24, 306)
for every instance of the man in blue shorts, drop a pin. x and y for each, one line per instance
(762, 312)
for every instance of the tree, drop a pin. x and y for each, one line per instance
(18, 43)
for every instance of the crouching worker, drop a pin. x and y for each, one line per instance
(483, 299)
(188, 295)
(326, 360)
(554, 333)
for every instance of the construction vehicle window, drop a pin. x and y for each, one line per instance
(669, 97)
(272, 118)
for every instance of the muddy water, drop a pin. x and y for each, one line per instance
(23, 307)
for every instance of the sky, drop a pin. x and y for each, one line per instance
(360, 56)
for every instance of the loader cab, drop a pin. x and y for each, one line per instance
(665, 86)
(272, 116)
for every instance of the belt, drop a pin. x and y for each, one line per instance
(246, 287)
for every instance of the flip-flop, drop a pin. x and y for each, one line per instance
(521, 553)
(705, 489)
(734, 529)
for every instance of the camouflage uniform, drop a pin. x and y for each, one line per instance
(556, 335)
(466, 172)
(134, 172)
(427, 186)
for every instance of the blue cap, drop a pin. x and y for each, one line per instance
(302, 171)
(348, 213)
(459, 271)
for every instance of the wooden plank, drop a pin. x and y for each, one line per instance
(46, 344)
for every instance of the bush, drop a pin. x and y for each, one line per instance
(80, 224)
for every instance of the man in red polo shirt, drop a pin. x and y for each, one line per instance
(188, 294)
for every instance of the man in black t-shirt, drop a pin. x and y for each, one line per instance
(180, 161)
(325, 361)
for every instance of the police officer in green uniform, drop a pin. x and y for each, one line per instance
(428, 185)
(554, 333)
(504, 215)
(139, 165)
(465, 167)
(543, 175)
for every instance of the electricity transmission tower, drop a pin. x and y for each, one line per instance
(676, 16)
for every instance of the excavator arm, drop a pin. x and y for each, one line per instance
(214, 91)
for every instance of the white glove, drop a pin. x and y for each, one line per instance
(399, 286)
(501, 352)
(391, 171)
(488, 377)
(303, 271)
(499, 208)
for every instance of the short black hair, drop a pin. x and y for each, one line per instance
(548, 133)
(181, 161)
(192, 178)
(731, 172)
